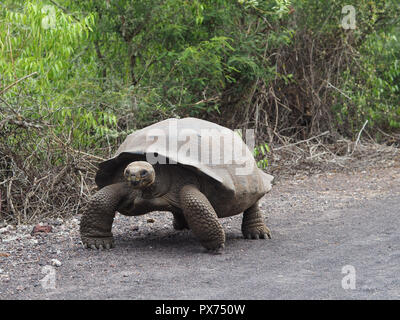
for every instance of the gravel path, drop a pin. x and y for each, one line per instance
(320, 224)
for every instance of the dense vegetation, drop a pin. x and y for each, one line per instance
(77, 76)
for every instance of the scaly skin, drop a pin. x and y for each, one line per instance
(202, 219)
(253, 226)
(98, 216)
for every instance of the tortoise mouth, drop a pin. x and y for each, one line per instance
(140, 184)
(134, 183)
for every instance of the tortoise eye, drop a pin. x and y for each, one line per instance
(143, 173)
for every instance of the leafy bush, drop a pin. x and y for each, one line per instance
(77, 76)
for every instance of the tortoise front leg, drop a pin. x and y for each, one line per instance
(202, 219)
(253, 226)
(98, 216)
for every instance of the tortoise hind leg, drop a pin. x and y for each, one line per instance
(253, 226)
(202, 219)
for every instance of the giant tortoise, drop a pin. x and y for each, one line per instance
(195, 169)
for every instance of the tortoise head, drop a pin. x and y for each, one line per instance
(140, 174)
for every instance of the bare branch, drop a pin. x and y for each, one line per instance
(16, 82)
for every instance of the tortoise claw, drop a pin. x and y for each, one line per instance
(260, 232)
(98, 243)
(267, 235)
(217, 250)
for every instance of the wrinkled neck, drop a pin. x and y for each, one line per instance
(161, 183)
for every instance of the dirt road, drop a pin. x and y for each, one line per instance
(322, 225)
